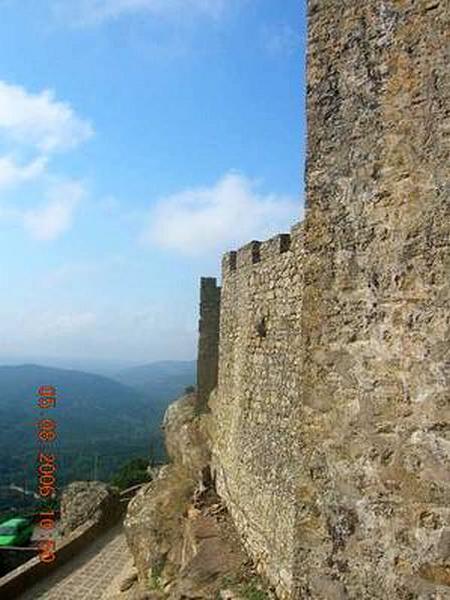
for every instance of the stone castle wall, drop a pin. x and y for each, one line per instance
(374, 488)
(332, 409)
(254, 455)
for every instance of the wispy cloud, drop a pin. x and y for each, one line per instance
(93, 12)
(68, 272)
(64, 323)
(114, 333)
(69, 323)
(225, 215)
(39, 120)
(13, 173)
(33, 127)
(53, 218)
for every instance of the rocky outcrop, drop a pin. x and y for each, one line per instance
(88, 500)
(184, 434)
(154, 519)
(180, 535)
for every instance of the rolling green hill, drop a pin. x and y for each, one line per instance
(101, 423)
(161, 382)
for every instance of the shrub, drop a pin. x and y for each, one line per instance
(131, 473)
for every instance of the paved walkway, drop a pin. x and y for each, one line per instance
(90, 575)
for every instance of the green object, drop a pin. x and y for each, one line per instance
(15, 532)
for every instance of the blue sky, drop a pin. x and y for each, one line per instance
(139, 140)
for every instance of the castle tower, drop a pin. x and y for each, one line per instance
(374, 486)
(208, 342)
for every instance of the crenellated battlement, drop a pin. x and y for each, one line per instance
(248, 254)
(257, 252)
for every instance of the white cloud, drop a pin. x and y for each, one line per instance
(218, 218)
(50, 220)
(52, 329)
(13, 173)
(83, 270)
(91, 12)
(32, 127)
(73, 323)
(37, 324)
(39, 120)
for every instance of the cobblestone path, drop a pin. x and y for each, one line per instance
(88, 576)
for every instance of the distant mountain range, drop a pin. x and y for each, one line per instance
(161, 382)
(87, 365)
(101, 421)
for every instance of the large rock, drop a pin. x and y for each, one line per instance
(186, 442)
(208, 556)
(154, 518)
(181, 538)
(88, 500)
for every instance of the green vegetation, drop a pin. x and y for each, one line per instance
(250, 589)
(154, 580)
(131, 473)
(162, 381)
(100, 424)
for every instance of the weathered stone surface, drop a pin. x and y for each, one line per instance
(185, 442)
(84, 500)
(154, 518)
(375, 314)
(129, 581)
(254, 432)
(207, 556)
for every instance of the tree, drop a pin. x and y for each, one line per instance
(131, 473)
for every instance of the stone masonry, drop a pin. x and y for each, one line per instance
(254, 455)
(332, 406)
(374, 484)
(208, 344)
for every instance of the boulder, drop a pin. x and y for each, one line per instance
(153, 521)
(88, 500)
(186, 442)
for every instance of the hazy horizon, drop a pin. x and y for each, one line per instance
(89, 364)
